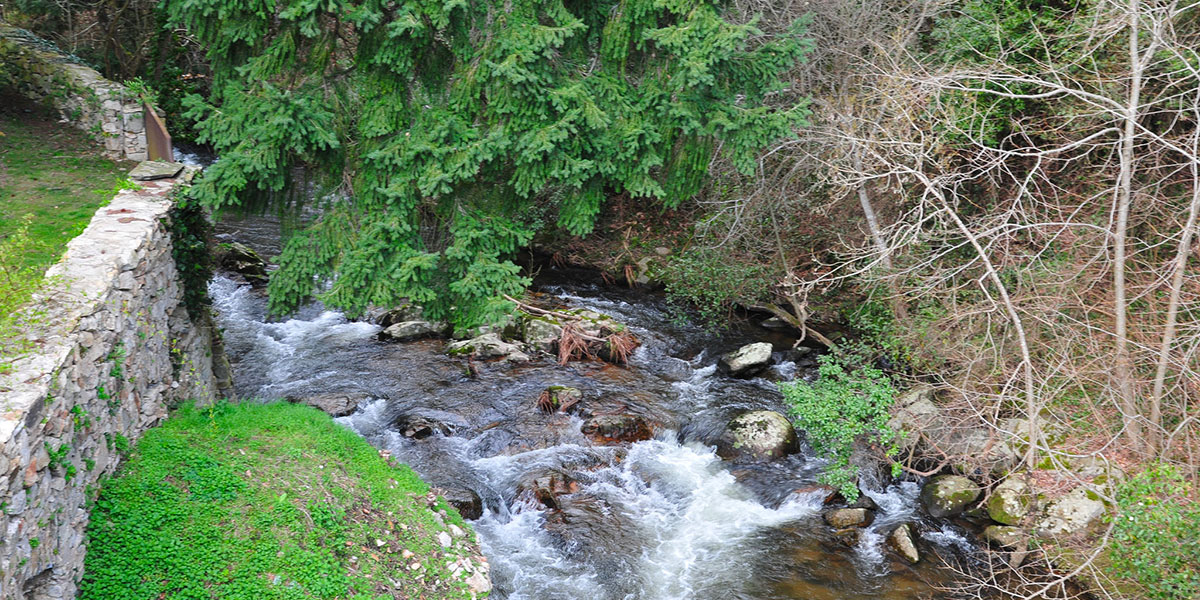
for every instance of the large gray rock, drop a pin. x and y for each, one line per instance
(845, 518)
(901, 542)
(759, 435)
(1073, 513)
(241, 259)
(1005, 536)
(1009, 502)
(464, 500)
(949, 495)
(488, 345)
(406, 311)
(747, 361)
(407, 331)
(150, 170)
(926, 430)
(336, 405)
(541, 333)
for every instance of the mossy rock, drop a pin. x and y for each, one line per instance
(949, 495)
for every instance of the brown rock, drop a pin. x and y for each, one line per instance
(615, 429)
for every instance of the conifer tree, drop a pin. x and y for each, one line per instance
(460, 129)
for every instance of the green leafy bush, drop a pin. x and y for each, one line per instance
(190, 231)
(1156, 539)
(709, 283)
(843, 407)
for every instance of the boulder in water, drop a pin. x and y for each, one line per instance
(760, 435)
(747, 361)
(419, 427)
(845, 518)
(615, 429)
(948, 495)
(901, 542)
(464, 500)
(407, 331)
(542, 333)
(406, 311)
(241, 259)
(336, 405)
(488, 345)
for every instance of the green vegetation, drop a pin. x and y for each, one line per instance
(841, 408)
(1157, 535)
(258, 501)
(452, 122)
(190, 231)
(711, 284)
(52, 180)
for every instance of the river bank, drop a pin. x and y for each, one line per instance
(272, 501)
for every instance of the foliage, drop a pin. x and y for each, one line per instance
(190, 232)
(980, 30)
(18, 281)
(261, 501)
(709, 283)
(1156, 538)
(446, 124)
(841, 408)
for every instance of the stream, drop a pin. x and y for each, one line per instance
(658, 519)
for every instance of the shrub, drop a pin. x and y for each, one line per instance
(1156, 540)
(711, 283)
(843, 407)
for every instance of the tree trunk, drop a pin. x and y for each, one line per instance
(1122, 368)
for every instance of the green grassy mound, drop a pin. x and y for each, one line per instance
(255, 501)
(52, 180)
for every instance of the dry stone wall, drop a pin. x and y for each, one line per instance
(36, 69)
(113, 347)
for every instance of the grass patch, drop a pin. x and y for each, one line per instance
(256, 501)
(52, 180)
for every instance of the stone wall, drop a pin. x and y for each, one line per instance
(113, 347)
(35, 69)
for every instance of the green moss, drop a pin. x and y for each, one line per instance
(264, 501)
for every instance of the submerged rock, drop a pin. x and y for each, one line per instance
(611, 429)
(759, 435)
(948, 495)
(747, 361)
(673, 369)
(845, 518)
(240, 259)
(901, 542)
(407, 331)
(1009, 502)
(559, 398)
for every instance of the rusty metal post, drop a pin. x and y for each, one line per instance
(158, 141)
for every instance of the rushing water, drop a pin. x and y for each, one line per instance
(660, 519)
